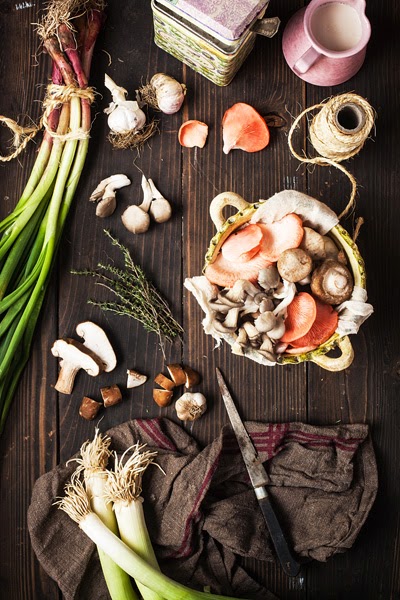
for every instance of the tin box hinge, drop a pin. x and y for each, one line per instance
(267, 27)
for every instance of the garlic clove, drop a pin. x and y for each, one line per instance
(193, 133)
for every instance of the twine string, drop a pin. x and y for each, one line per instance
(56, 95)
(331, 140)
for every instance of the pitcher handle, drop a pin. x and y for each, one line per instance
(306, 61)
(220, 202)
(337, 364)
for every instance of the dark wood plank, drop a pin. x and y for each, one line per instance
(262, 393)
(368, 390)
(29, 444)
(44, 428)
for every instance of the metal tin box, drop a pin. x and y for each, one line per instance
(212, 37)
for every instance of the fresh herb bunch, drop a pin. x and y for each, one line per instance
(136, 296)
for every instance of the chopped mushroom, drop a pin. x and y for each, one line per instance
(89, 408)
(111, 395)
(164, 382)
(177, 374)
(97, 342)
(74, 356)
(135, 379)
(162, 397)
(192, 377)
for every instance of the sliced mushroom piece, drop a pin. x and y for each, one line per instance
(192, 377)
(162, 397)
(164, 382)
(135, 379)
(74, 356)
(89, 408)
(177, 373)
(97, 342)
(268, 278)
(313, 243)
(111, 395)
(240, 290)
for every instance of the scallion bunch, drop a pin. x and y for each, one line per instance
(30, 235)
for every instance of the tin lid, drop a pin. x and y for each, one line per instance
(226, 18)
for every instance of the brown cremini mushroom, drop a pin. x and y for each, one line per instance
(192, 377)
(294, 264)
(177, 373)
(332, 282)
(74, 356)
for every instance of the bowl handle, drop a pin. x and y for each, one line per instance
(220, 202)
(340, 363)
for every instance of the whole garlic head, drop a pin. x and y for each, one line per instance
(190, 406)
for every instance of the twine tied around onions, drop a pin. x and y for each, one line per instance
(55, 96)
(337, 132)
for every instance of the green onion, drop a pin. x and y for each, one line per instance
(93, 462)
(123, 489)
(77, 506)
(31, 233)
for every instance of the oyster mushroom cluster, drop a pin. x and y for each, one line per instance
(252, 316)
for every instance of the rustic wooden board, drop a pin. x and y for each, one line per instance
(44, 427)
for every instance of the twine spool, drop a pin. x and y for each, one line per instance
(337, 132)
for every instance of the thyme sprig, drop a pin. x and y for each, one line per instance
(137, 297)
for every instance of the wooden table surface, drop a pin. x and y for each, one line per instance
(44, 428)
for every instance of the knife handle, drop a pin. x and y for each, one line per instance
(286, 558)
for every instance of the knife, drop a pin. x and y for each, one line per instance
(259, 480)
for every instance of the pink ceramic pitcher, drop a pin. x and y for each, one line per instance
(325, 43)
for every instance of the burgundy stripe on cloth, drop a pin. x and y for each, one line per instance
(186, 548)
(152, 428)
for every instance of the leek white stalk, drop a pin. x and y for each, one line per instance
(93, 462)
(77, 506)
(124, 488)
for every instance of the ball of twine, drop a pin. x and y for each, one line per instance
(337, 132)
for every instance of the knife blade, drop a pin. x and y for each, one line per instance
(259, 479)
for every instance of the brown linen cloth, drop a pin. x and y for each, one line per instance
(202, 511)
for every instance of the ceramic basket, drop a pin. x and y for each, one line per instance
(341, 238)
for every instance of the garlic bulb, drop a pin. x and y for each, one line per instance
(190, 406)
(123, 115)
(170, 94)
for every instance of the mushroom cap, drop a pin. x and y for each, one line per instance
(294, 264)
(135, 219)
(313, 243)
(97, 342)
(332, 282)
